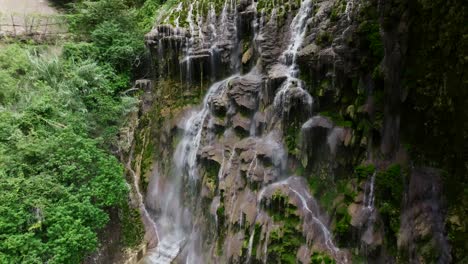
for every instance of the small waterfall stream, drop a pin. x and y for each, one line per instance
(298, 30)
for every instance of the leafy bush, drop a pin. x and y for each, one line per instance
(57, 182)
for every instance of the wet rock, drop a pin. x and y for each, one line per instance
(359, 198)
(372, 238)
(247, 56)
(276, 76)
(315, 133)
(212, 153)
(303, 254)
(241, 123)
(423, 222)
(219, 106)
(244, 90)
(358, 214)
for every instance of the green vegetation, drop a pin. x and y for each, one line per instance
(388, 197)
(324, 38)
(436, 80)
(292, 137)
(220, 214)
(57, 181)
(338, 9)
(60, 117)
(362, 172)
(337, 119)
(285, 241)
(133, 230)
(320, 258)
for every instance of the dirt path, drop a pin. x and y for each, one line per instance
(26, 7)
(22, 17)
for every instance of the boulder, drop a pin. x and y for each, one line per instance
(241, 123)
(244, 90)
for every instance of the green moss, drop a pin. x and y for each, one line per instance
(292, 138)
(338, 9)
(363, 171)
(337, 119)
(220, 213)
(133, 230)
(389, 186)
(321, 258)
(323, 39)
(285, 241)
(256, 239)
(343, 224)
(283, 245)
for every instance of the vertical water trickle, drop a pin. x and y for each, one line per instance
(212, 22)
(370, 204)
(349, 9)
(178, 10)
(190, 44)
(292, 85)
(251, 240)
(146, 216)
(305, 198)
(369, 194)
(201, 35)
(325, 232)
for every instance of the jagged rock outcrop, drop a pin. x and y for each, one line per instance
(422, 233)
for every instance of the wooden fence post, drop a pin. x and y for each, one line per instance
(14, 26)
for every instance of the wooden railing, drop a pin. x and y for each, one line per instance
(36, 27)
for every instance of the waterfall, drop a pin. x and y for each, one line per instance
(212, 21)
(178, 195)
(292, 85)
(186, 151)
(369, 196)
(190, 44)
(201, 36)
(298, 30)
(326, 233)
(304, 199)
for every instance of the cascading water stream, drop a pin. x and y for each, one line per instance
(186, 151)
(250, 246)
(305, 207)
(369, 199)
(326, 233)
(146, 216)
(298, 30)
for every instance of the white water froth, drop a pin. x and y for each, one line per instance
(298, 29)
(305, 199)
(186, 152)
(249, 251)
(166, 251)
(369, 198)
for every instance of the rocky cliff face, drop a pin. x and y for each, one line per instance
(294, 153)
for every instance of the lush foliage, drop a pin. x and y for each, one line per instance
(56, 180)
(389, 186)
(285, 241)
(59, 119)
